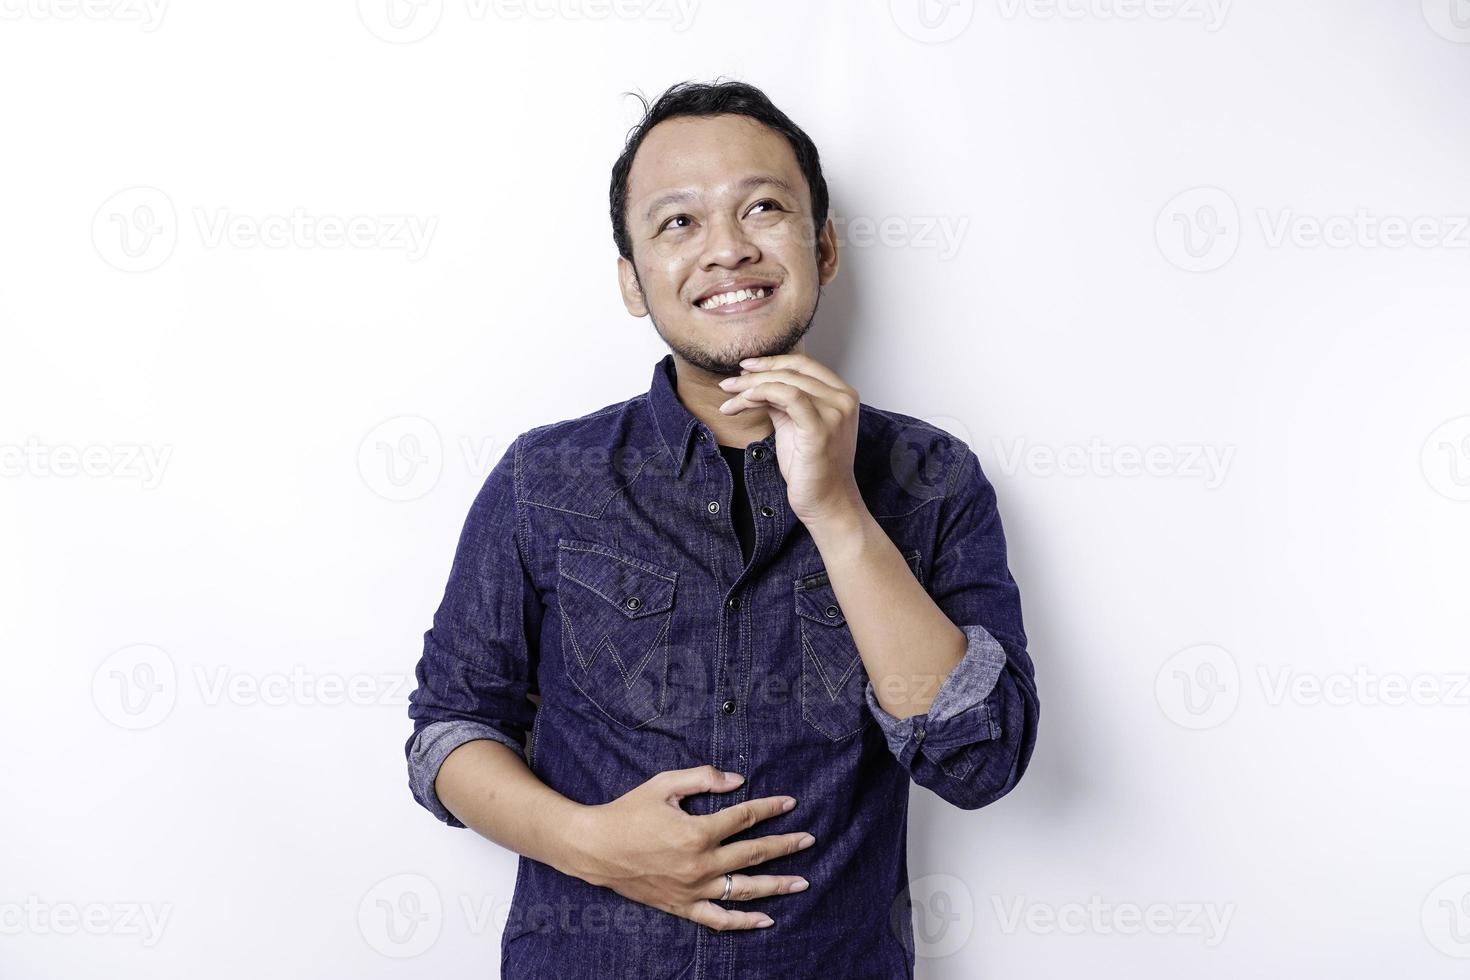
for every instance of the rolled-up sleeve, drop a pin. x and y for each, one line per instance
(974, 743)
(478, 663)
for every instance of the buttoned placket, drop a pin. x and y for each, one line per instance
(764, 487)
(735, 654)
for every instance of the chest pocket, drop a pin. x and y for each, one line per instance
(616, 609)
(833, 679)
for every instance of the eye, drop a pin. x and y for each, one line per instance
(772, 203)
(673, 218)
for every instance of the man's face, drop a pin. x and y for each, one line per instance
(715, 205)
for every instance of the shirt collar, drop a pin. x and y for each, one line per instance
(676, 424)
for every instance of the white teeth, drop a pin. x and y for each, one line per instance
(738, 296)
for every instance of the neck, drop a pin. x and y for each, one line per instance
(700, 392)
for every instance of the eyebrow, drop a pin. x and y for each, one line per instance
(748, 184)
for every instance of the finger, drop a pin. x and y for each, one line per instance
(709, 914)
(803, 363)
(748, 853)
(745, 887)
(795, 403)
(733, 819)
(817, 388)
(679, 783)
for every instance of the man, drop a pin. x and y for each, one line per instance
(751, 609)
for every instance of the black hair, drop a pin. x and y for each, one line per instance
(712, 99)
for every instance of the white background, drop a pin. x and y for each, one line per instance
(1252, 672)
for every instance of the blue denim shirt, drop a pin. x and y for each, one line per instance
(599, 570)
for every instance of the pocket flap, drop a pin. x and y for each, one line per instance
(816, 600)
(634, 586)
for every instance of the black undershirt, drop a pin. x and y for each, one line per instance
(739, 503)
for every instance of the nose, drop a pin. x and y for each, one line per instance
(727, 245)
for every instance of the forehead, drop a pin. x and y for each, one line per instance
(707, 155)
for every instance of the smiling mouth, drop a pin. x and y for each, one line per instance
(737, 301)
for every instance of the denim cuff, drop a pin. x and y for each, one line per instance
(431, 746)
(958, 715)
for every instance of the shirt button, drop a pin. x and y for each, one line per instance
(700, 435)
(767, 512)
(759, 452)
(918, 734)
(832, 612)
(714, 506)
(733, 602)
(728, 707)
(633, 602)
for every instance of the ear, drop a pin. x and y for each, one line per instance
(827, 252)
(632, 292)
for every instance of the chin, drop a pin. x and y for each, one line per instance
(702, 346)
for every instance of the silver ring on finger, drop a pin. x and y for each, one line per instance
(729, 883)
